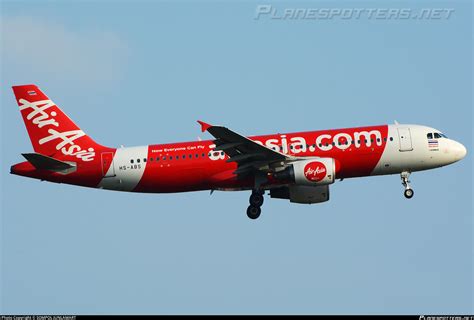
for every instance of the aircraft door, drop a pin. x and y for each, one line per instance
(108, 169)
(404, 136)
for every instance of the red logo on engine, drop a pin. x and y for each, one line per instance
(315, 171)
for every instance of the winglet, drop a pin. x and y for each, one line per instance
(204, 126)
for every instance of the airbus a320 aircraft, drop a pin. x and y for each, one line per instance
(297, 166)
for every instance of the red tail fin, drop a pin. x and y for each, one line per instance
(51, 131)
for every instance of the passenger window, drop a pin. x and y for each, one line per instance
(157, 158)
(385, 139)
(391, 138)
(203, 155)
(131, 160)
(138, 160)
(151, 159)
(164, 158)
(144, 159)
(171, 157)
(429, 135)
(184, 156)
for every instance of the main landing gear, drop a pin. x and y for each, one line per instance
(256, 201)
(405, 182)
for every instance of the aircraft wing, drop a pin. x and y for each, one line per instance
(249, 155)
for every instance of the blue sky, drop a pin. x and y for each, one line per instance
(135, 73)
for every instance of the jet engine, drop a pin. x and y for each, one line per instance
(302, 194)
(309, 172)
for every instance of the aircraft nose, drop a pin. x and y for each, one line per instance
(459, 151)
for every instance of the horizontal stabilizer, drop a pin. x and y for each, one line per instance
(43, 162)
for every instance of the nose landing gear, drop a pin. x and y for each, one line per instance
(405, 182)
(256, 201)
(409, 193)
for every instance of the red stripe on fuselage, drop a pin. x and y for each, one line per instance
(191, 168)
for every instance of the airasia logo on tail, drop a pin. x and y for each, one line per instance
(315, 171)
(64, 140)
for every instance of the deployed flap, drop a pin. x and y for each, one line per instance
(248, 154)
(43, 162)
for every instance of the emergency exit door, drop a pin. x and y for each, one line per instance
(108, 169)
(404, 136)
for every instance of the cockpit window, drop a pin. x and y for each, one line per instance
(436, 135)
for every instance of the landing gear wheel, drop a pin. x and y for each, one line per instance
(253, 212)
(405, 182)
(256, 199)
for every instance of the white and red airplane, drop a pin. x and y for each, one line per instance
(295, 166)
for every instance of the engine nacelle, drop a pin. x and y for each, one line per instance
(302, 194)
(310, 172)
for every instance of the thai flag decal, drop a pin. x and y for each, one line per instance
(432, 144)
